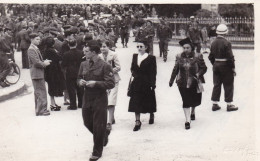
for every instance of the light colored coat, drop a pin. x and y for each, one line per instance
(112, 59)
(35, 62)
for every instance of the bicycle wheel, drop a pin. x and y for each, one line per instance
(14, 75)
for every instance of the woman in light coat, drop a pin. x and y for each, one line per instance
(111, 57)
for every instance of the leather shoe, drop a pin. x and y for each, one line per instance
(93, 158)
(215, 107)
(3, 84)
(43, 114)
(71, 108)
(231, 108)
(106, 137)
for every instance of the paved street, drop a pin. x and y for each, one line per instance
(215, 136)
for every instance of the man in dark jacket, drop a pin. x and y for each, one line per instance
(222, 59)
(71, 62)
(96, 76)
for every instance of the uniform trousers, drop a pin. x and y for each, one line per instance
(197, 46)
(95, 119)
(150, 44)
(74, 91)
(222, 74)
(124, 37)
(25, 59)
(163, 46)
(40, 96)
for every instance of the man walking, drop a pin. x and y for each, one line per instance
(222, 59)
(96, 76)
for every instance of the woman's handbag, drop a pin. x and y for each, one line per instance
(200, 87)
(129, 90)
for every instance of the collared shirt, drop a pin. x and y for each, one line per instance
(141, 57)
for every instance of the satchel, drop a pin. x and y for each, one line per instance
(129, 89)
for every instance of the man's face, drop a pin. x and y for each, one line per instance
(36, 40)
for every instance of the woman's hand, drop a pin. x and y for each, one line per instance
(82, 82)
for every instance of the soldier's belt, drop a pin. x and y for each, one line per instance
(221, 60)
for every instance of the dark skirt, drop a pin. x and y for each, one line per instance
(190, 97)
(142, 102)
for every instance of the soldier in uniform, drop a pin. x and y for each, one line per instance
(4, 63)
(222, 59)
(164, 34)
(124, 33)
(96, 76)
(24, 45)
(150, 35)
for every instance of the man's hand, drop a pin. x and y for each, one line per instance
(47, 62)
(170, 84)
(234, 72)
(90, 84)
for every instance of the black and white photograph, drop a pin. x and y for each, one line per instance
(110, 80)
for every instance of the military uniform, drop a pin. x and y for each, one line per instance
(150, 34)
(164, 33)
(124, 32)
(222, 59)
(95, 99)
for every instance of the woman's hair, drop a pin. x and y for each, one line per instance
(146, 45)
(191, 45)
(50, 42)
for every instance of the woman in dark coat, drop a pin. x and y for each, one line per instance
(53, 73)
(142, 95)
(189, 69)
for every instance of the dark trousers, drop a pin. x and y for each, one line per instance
(197, 46)
(124, 38)
(150, 44)
(95, 119)
(222, 74)
(74, 91)
(40, 96)
(25, 59)
(163, 46)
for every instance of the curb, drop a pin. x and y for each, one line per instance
(14, 91)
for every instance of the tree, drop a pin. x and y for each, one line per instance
(167, 10)
(236, 10)
(203, 13)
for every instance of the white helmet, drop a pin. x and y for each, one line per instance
(222, 29)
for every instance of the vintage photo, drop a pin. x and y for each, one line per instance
(121, 81)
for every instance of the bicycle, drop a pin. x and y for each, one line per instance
(14, 74)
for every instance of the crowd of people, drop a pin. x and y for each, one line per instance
(76, 54)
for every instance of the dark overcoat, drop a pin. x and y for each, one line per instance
(53, 74)
(143, 95)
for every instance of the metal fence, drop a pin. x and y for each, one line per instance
(241, 29)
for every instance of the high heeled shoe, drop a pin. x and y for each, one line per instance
(192, 116)
(187, 125)
(137, 126)
(54, 108)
